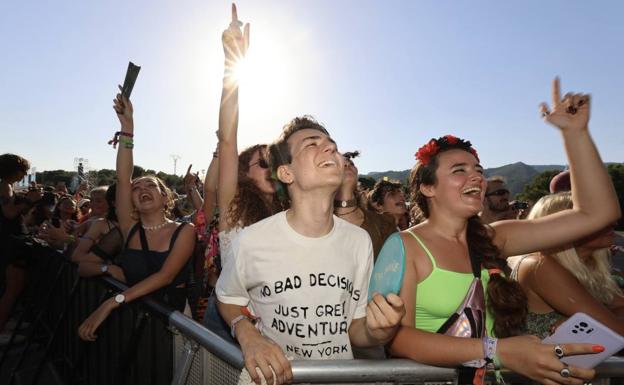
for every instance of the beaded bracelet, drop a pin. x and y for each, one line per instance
(116, 137)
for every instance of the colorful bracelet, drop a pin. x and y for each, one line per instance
(118, 136)
(489, 347)
(127, 142)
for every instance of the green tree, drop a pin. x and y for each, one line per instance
(51, 178)
(538, 187)
(366, 182)
(138, 171)
(106, 177)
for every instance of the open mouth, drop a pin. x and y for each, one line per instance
(145, 198)
(472, 191)
(327, 163)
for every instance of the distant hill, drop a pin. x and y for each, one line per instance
(516, 174)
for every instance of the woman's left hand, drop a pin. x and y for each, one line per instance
(87, 329)
(568, 114)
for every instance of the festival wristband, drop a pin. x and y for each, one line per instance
(234, 322)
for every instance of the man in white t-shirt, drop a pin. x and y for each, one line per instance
(304, 272)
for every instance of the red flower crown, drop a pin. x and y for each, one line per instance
(434, 146)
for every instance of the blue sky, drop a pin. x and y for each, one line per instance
(383, 76)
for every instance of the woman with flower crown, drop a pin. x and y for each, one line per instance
(448, 186)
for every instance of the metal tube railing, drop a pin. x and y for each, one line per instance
(229, 354)
(351, 371)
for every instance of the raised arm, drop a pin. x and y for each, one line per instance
(190, 186)
(123, 197)
(210, 186)
(594, 199)
(235, 44)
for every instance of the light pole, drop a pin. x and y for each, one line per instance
(175, 158)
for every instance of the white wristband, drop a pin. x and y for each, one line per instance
(234, 322)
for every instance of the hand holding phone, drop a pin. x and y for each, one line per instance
(582, 328)
(131, 75)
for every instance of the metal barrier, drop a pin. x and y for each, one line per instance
(226, 358)
(134, 345)
(147, 342)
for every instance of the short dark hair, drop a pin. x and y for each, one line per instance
(279, 152)
(10, 164)
(381, 188)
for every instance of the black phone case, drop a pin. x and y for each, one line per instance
(131, 75)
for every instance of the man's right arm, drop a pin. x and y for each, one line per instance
(258, 351)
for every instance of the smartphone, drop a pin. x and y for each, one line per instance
(131, 75)
(581, 328)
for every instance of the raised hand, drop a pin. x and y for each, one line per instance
(190, 179)
(123, 108)
(235, 42)
(569, 113)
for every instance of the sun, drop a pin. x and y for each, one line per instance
(265, 75)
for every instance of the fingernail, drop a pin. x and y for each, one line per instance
(598, 348)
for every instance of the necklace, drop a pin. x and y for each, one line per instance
(344, 204)
(348, 212)
(155, 227)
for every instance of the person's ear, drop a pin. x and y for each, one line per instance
(284, 174)
(427, 190)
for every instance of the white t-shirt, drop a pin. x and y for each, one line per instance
(305, 290)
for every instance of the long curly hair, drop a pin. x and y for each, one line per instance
(506, 299)
(595, 274)
(249, 205)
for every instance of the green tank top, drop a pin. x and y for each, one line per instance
(441, 293)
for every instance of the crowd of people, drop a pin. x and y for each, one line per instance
(282, 242)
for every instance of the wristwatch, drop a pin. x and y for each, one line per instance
(104, 269)
(120, 299)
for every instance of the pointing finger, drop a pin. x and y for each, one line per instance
(556, 95)
(234, 14)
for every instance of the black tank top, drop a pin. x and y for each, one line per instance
(138, 264)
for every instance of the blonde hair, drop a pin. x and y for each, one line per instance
(595, 276)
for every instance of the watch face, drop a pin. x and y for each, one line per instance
(120, 298)
(104, 268)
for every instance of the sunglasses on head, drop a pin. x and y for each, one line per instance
(261, 163)
(498, 193)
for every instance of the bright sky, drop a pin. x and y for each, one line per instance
(383, 76)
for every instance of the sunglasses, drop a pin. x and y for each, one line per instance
(261, 163)
(498, 193)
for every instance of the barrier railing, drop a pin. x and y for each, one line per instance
(147, 342)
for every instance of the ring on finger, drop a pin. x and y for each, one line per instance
(559, 351)
(565, 372)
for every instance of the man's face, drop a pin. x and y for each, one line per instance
(316, 161)
(497, 196)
